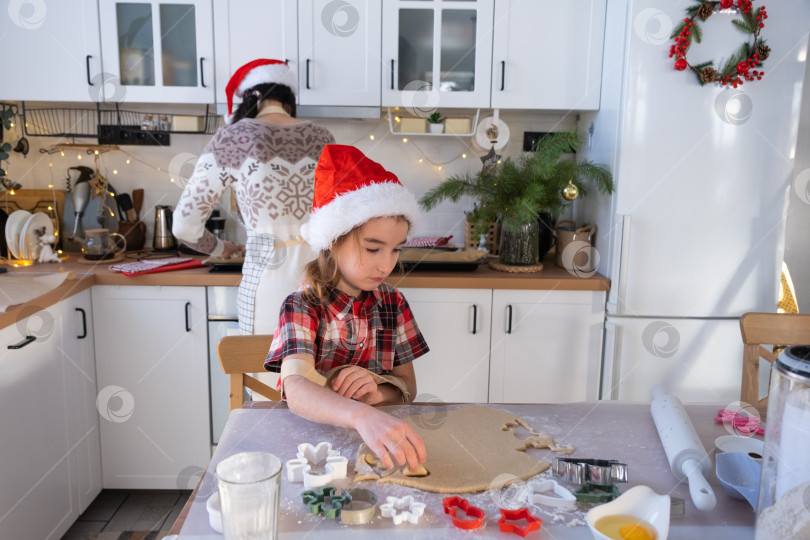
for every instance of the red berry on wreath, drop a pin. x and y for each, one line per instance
(743, 67)
(680, 64)
(725, 4)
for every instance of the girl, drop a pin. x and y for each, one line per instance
(345, 340)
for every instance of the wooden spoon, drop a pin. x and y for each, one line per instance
(137, 202)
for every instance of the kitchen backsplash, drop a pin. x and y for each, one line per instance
(420, 163)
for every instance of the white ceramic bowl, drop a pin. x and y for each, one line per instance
(214, 512)
(737, 443)
(640, 502)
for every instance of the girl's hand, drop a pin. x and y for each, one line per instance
(231, 248)
(356, 383)
(391, 437)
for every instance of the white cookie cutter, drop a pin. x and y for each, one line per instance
(300, 469)
(402, 509)
(539, 494)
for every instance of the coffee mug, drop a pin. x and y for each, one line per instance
(134, 232)
(101, 244)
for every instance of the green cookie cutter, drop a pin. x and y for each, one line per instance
(316, 500)
(591, 493)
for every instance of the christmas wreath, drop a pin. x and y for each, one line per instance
(740, 66)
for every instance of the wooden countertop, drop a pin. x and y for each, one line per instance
(551, 277)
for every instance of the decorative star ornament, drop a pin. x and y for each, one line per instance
(490, 159)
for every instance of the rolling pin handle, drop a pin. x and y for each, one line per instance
(702, 494)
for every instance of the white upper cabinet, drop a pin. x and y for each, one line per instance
(245, 30)
(52, 51)
(339, 48)
(158, 51)
(436, 53)
(547, 54)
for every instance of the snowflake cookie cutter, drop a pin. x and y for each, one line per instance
(402, 509)
(450, 504)
(324, 501)
(540, 492)
(508, 518)
(316, 466)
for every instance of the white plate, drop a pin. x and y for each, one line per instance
(736, 443)
(14, 225)
(29, 239)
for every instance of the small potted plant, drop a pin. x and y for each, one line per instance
(436, 122)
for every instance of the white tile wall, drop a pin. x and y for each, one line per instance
(148, 166)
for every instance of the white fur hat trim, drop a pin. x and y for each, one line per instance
(354, 208)
(268, 74)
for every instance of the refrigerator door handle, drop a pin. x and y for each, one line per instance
(620, 262)
(611, 357)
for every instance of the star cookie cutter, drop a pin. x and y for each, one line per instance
(539, 493)
(508, 517)
(450, 504)
(310, 458)
(590, 493)
(317, 501)
(402, 509)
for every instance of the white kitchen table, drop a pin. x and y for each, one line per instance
(601, 429)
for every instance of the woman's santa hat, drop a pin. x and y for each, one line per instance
(351, 189)
(260, 71)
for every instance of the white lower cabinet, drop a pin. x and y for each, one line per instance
(151, 359)
(455, 323)
(528, 346)
(50, 467)
(546, 346)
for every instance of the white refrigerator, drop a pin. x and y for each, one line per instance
(693, 236)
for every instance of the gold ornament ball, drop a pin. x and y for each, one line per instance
(570, 192)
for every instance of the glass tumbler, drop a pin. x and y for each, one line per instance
(249, 486)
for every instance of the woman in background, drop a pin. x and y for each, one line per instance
(268, 158)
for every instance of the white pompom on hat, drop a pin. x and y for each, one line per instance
(259, 71)
(351, 189)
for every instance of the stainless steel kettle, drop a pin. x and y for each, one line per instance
(164, 240)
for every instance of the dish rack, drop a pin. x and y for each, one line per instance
(113, 125)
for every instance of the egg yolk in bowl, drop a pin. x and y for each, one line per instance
(623, 527)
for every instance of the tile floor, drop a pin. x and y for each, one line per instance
(116, 511)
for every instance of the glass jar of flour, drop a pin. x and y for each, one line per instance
(783, 509)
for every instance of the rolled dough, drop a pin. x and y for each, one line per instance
(466, 452)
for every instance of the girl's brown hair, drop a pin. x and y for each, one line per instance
(322, 273)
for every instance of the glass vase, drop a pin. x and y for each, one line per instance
(521, 247)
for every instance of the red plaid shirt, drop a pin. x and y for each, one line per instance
(377, 333)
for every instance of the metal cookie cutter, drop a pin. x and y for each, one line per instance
(590, 493)
(600, 472)
(358, 516)
(451, 503)
(317, 501)
(540, 494)
(402, 509)
(532, 523)
(301, 469)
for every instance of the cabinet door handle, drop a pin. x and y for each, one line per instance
(188, 317)
(475, 319)
(87, 69)
(202, 74)
(503, 74)
(84, 323)
(23, 343)
(392, 74)
(307, 68)
(509, 319)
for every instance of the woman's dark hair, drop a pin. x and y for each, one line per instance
(251, 98)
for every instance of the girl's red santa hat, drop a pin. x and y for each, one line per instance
(260, 71)
(351, 189)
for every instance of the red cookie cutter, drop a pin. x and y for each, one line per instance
(532, 522)
(740, 422)
(451, 503)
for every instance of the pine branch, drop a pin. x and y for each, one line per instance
(743, 25)
(697, 33)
